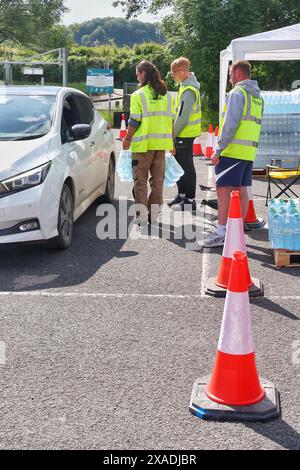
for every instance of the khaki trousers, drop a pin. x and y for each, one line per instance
(152, 161)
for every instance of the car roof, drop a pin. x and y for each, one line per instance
(34, 90)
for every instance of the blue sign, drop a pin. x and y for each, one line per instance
(100, 81)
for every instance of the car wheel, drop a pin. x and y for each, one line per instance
(110, 182)
(65, 222)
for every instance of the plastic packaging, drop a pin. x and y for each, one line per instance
(173, 170)
(284, 224)
(124, 166)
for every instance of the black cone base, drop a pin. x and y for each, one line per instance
(257, 290)
(204, 408)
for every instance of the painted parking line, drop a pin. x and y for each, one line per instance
(121, 295)
(205, 257)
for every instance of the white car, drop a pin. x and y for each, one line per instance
(57, 156)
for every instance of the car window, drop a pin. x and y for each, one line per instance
(70, 117)
(86, 109)
(25, 116)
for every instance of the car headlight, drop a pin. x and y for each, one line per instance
(26, 180)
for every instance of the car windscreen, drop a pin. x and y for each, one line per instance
(25, 117)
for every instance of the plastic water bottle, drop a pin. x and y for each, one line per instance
(296, 231)
(173, 170)
(272, 214)
(275, 230)
(124, 166)
(288, 232)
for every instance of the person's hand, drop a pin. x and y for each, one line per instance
(215, 159)
(173, 152)
(126, 144)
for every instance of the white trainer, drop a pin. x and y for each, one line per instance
(213, 240)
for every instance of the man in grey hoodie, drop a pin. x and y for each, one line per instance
(187, 126)
(237, 145)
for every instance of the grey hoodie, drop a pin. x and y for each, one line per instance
(235, 101)
(186, 104)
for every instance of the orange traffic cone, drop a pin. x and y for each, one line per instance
(209, 142)
(123, 131)
(234, 240)
(234, 392)
(235, 380)
(215, 138)
(197, 148)
(251, 220)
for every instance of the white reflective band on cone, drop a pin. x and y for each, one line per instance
(249, 190)
(210, 139)
(235, 238)
(236, 337)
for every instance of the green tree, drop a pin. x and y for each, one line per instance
(121, 31)
(200, 29)
(26, 21)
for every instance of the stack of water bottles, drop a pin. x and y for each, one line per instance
(284, 224)
(173, 170)
(280, 130)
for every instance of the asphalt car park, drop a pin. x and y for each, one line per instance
(101, 343)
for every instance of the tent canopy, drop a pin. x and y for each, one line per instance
(278, 44)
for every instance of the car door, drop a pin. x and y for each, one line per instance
(77, 154)
(99, 142)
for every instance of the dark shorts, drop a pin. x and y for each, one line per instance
(233, 172)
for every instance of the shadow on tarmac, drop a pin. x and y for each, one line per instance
(268, 304)
(27, 267)
(267, 260)
(278, 431)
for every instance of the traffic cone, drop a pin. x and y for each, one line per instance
(216, 138)
(235, 380)
(123, 130)
(234, 383)
(209, 142)
(251, 220)
(234, 241)
(197, 148)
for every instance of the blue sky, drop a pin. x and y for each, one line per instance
(82, 10)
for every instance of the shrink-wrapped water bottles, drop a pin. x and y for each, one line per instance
(173, 170)
(280, 129)
(124, 166)
(284, 224)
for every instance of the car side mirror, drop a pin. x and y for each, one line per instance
(80, 131)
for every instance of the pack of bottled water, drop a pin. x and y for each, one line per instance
(281, 102)
(124, 166)
(280, 129)
(284, 223)
(173, 170)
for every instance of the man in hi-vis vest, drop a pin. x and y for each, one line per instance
(187, 126)
(240, 127)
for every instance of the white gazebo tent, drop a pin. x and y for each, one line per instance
(278, 44)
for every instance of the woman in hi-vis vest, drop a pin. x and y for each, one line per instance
(149, 135)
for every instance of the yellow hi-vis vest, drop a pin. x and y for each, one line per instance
(245, 140)
(155, 115)
(193, 127)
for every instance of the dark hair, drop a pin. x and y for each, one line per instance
(244, 66)
(152, 77)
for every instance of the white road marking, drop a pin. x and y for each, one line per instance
(2, 352)
(121, 295)
(95, 295)
(205, 257)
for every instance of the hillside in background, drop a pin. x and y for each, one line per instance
(122, 32)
